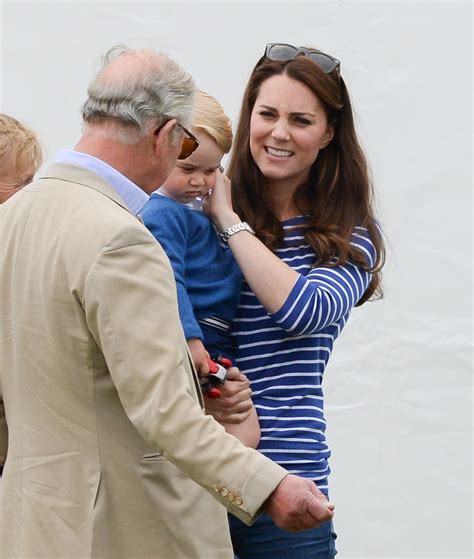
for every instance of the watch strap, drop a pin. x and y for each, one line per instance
(233, 229)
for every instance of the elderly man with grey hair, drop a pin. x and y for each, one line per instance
(110, 454)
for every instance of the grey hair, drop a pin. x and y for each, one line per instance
(150, 89)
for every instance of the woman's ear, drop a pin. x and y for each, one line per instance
(328, 136)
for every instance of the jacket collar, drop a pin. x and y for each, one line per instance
(85, 177)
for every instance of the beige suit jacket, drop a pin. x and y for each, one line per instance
(107, 437)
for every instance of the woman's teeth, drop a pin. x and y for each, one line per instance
(278, 152)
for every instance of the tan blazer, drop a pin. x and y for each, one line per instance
(107, 437)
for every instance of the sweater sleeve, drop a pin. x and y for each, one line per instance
(168, 224)
(326, 294)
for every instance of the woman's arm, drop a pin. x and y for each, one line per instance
(270, 279)
(298, 304)
(248, 431)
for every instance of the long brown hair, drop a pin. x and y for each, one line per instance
(338, 194)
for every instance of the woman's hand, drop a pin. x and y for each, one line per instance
(218, 203)
(234, 403)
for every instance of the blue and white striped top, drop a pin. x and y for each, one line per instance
(284, 354)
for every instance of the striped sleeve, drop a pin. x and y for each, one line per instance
(325, 295)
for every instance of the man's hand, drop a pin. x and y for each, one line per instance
(199, 356)
(234, 403)
(297, 504)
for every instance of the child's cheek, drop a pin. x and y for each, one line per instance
(212, 180)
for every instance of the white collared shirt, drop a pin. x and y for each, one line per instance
(133, 196)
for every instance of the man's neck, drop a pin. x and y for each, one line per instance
(132, 161)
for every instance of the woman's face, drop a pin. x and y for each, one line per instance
(288, 127)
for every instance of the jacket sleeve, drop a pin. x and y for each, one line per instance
(131, 310)
(326, 294)
(169, 226)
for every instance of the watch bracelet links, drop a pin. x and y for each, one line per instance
(233, 229)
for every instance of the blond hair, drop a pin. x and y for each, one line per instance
(20, 151)
(209, 116)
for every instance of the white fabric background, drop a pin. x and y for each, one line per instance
(398, 388)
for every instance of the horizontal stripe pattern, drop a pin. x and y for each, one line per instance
(216, 322)
(284, 354)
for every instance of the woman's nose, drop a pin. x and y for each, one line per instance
(281, 130)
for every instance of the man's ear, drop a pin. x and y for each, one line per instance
(328, 136)
(163, 136)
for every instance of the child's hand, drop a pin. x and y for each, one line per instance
(199, 355)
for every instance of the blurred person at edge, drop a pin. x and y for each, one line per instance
(297, 214)
(110, 453)
(20, 156)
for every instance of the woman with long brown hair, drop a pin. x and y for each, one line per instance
(300, 223)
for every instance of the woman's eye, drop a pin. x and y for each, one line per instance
(267, 114)
(302, 121)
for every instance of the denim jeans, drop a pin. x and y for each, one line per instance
(264, 540)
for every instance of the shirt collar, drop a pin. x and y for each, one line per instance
(133, 196)
(195, 204)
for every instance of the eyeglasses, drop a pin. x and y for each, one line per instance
(189, 145)
(283, 51)
(190, 142)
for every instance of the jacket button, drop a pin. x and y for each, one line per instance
(231, 497)
(216, 488)
(224, 492)
(238, 501)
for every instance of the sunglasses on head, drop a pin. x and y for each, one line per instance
(283, 51)
(190, 142)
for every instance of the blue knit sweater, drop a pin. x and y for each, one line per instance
(207, 277)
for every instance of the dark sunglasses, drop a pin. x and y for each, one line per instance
(190, 142)
(282, 51)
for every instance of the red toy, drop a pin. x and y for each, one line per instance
(217, 375)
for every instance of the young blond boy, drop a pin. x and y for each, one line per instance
(207, 276)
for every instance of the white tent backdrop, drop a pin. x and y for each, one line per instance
(399, 387)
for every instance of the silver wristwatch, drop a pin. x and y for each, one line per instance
(242, 226)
